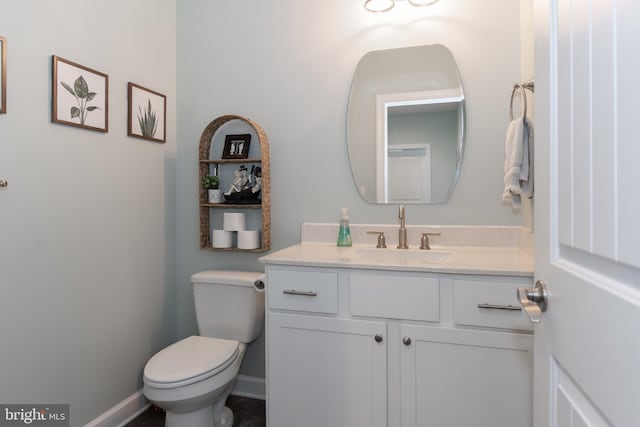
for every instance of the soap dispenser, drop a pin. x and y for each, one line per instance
(344, 234)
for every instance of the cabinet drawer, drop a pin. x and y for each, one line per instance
(312, 291)
(396, 297)
(489, 303)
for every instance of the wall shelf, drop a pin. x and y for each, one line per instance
(205, 167)
(223, 161)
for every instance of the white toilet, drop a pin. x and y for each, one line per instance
(192, 378)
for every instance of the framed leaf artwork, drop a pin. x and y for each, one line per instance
(147, 114)
(80, 96)
(3, 75)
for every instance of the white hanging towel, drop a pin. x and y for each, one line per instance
(518, 162)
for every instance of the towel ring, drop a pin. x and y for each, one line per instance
(523, 97)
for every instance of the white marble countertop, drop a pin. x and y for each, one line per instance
(478, 250)
(503, 261)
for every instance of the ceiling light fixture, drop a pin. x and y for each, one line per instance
(379, 5)
(422, 2)
(386, 5)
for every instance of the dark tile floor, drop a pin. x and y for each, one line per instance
(246, 412)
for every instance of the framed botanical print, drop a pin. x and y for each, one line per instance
(147, 117)
(80, 96)
(3, 75)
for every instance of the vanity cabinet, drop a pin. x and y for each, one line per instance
(322, 370)
(455, 377)
(326, 371)
(349, 347)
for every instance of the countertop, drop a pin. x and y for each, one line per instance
(476, 260)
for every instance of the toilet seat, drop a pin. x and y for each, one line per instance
(190, 360)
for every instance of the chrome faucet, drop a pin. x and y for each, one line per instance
(402, 233)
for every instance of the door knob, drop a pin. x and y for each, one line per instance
(378, 338)
(406, 341)
(534, 301)
(3, 183)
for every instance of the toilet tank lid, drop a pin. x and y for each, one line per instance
(227, 277)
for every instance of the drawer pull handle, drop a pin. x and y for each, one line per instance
(303, 293)
(500, 307)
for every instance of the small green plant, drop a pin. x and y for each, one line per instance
(81, 92)
(148, 121)
(211, 182)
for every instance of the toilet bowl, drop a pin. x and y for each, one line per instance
(192, 378)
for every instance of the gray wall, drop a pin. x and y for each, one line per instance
(288, 65)
(87, 224)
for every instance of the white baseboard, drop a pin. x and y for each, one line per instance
(123, 412)
(247, 386)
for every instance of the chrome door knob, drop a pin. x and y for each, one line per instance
(378, 338)
(534, 301)
(3, 183)
(406, 341)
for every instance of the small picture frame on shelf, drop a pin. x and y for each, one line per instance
(236, 146)
(147, 113)
(80, 96)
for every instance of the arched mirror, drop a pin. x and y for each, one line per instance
(405, 125)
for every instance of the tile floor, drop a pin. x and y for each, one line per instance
(247, 413)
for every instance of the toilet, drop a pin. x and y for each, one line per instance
(192, 378)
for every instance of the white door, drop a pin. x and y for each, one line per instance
(587, 213)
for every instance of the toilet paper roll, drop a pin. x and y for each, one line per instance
(234, 221)
(221, 239)
(248, 239)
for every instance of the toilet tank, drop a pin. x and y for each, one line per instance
(228, 305)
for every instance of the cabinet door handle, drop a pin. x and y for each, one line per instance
(499, 307)
(406, 341)
(378, 338)
(303, 293)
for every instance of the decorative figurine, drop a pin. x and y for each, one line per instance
(246, 187)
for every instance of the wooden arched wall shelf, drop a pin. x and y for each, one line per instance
(206, 140)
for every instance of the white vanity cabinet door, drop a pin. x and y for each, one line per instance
(465, 378)
(324, 371)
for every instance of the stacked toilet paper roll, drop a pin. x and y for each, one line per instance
(235, 223)
(248, 239)
(222, 239)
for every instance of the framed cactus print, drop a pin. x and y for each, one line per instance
(3, 75)
(80, 96)
(147, 114)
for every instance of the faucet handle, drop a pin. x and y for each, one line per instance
(424, 241)
(382, 241)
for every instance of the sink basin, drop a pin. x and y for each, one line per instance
(402, 256)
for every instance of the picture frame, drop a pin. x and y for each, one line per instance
(236, 146)
(3, 75)
(80, 96)
(147, 117)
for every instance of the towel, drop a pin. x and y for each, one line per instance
(518, 162)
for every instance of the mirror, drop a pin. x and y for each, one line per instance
(405, 125)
